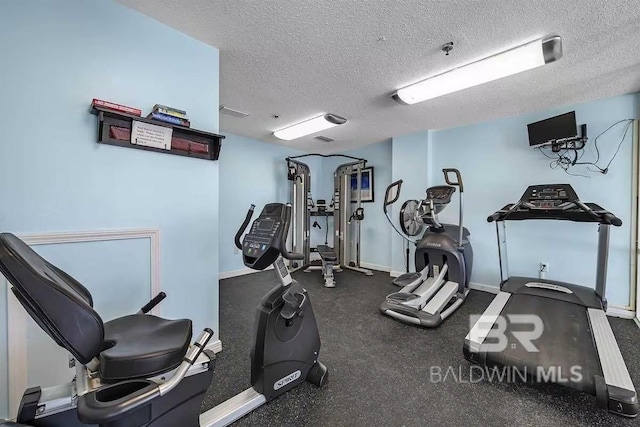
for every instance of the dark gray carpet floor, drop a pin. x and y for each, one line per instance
(380, 368)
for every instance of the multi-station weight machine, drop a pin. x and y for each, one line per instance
(345, 252)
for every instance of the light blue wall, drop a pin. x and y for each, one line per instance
(56, 57)
(497, 165)
(410, 163)
(250, 172)
(375, 231)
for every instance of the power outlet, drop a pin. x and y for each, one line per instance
(544, 269)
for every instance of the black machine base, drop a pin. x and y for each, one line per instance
(179, 407)
(286, 348)
(567, 353)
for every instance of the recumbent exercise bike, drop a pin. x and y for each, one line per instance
(139, 370)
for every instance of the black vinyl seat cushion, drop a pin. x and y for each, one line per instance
(327, 253)
(142, 345)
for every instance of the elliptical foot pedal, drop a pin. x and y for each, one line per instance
(318, 374)
(407, 279)
(400, 297)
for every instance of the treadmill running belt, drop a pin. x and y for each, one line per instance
(567, 353)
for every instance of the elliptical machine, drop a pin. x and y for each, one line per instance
(443, 257)
(139, 370)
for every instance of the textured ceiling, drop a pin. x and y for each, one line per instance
(300, 58)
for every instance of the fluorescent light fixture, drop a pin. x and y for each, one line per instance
(310, 126)
(522, 58)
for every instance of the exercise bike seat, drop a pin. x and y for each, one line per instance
(141, 345)
(128, 347)
(327, 253)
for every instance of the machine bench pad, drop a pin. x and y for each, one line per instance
(327, 253)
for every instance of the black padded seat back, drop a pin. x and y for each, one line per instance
(57, 302)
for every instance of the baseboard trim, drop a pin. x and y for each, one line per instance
(215, 346)
(621, 312)
(484, 288)
(243, 272)
(375, 267)
(396, 273)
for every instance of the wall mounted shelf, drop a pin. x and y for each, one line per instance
(114, 128)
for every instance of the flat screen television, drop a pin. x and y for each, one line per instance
(558, 127)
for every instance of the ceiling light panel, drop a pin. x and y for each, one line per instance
(522, 58)
(309, 127)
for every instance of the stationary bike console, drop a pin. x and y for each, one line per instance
(266, 239)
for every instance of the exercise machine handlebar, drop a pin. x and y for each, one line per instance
(243, 227)
(397, 186)
(458, 183)
(494, 217)
(155, 301)
(612, 219)
(604, 217)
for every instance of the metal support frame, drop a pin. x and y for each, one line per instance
(300, 217)
(460, 218)
(603, 259)
(346, 238)
(633, 291)
(601, 265)
(501, 233)
(343, 229)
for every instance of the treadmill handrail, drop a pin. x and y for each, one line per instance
(601, 216)
(502, 214)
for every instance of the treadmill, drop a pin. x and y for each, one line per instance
(575, 347)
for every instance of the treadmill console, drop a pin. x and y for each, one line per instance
(554, 201)
(440, 194)
(554, 196)
(260, 247)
